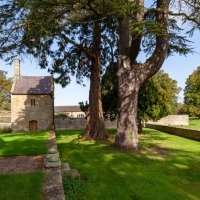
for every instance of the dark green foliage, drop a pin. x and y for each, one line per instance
(74, 188)
(5, 87)
(109, 92)
(63, 42)
(157, 97)
(192, 94)
(62, 115)
(84, 107)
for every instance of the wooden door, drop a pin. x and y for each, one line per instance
(33, 125)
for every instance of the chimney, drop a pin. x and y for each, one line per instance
(16, 67)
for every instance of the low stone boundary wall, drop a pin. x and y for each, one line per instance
(179, 131)
(77, 123)
(173, 120)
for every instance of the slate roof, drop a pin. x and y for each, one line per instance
(67, 109)
(33, 85)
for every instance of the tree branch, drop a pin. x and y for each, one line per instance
(85, 50)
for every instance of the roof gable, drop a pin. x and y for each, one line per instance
(33, 85)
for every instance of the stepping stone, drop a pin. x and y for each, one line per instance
(53, 158)
(53, 164)
(52, 151)
(51, 154)
(74, 173)
(65, 169)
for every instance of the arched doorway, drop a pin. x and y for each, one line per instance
(32, 125)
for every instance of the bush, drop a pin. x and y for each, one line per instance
(74, 188)
(62, 115)
(5, 129)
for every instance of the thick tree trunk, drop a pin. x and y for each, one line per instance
(128, 92)
(132, 74)
(127, 129)
(95, 128)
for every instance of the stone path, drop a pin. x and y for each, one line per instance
(54, 171)
(52, 186)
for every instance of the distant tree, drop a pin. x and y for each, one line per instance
(84, 108)
(5, 87)
(182, 109)
(158, 96)
(192, 94)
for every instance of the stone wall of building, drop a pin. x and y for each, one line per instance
(173, 120)
(77, 123)
(22, 112)
(5, 116)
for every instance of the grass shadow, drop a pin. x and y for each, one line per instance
(166, 168)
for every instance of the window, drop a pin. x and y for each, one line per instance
(80, 116)
(32, 102)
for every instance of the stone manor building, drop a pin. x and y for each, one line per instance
(32, 102)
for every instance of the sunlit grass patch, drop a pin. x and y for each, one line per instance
(166, 167)
(16, 144)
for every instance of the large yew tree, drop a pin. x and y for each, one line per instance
(68, 38)
(156, 31)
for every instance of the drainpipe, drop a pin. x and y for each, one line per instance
(52, 96)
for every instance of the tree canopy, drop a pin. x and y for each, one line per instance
(77, 37)
(158, 96)
(192, 94)
(68, 38)
(5, 87)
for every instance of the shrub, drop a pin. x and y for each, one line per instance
(62, 115)
(74, 188)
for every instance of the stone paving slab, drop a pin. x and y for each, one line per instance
(53, 184)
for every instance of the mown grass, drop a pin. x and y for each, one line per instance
(194, 123)
(167, 167)
(26, 186)
(17, 144)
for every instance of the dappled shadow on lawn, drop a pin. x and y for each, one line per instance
(157, 171)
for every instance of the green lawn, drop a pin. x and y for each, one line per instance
(27, 186)
(167, 167)
(194, 123)
(17, 144)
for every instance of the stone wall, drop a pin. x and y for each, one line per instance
(179, 131)
(22, 112)
(77, 123)
(173, 120)
(5, 116)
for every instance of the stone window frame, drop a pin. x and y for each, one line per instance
(32, 102)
